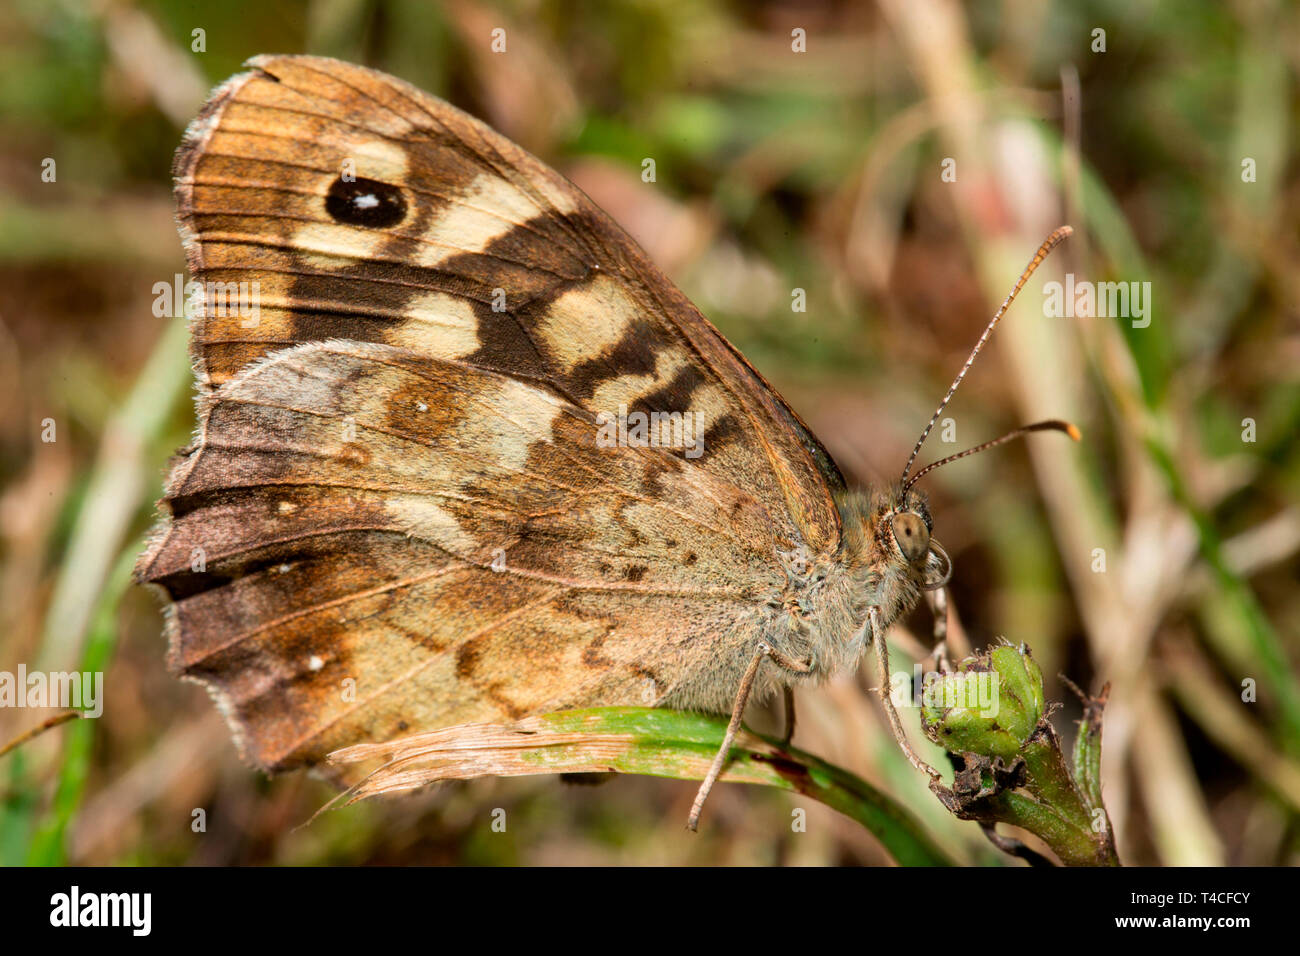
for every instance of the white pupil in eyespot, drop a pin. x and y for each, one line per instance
(365, 201)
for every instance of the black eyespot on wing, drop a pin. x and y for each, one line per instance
(365, 202)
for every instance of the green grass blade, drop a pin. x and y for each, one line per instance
(654, 742)
(47, 846)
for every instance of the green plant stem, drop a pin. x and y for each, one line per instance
(638, 740)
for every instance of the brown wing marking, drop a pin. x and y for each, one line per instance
(496, 259)
(339, 519)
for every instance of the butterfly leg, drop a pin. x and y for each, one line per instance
(938, 601)
(882, 666)
(764, 651)
(787, 711)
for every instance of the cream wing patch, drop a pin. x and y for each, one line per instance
(707, 400)
(438, 324)
(626, 389)
(378, 159)
(329, 246)
(422, 518)
(586, 321)
(504, 420)
(487, 210)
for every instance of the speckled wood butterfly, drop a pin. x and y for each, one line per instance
(471, 456)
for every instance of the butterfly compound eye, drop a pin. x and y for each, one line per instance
(912, 535)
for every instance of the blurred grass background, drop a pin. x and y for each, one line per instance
(776, 171)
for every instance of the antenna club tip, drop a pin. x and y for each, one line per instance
(1056, 424)
(1059, 235)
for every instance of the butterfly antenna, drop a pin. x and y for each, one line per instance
(1054, 425)
(1048, 245)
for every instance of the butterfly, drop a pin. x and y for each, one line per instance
(465, 454)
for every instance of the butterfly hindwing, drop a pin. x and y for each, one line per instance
(434, 553)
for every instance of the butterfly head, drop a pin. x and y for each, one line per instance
(906, 530)
(889, 535)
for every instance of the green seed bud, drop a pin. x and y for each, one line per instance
(989, 706)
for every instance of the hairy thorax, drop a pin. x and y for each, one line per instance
(821, 614)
